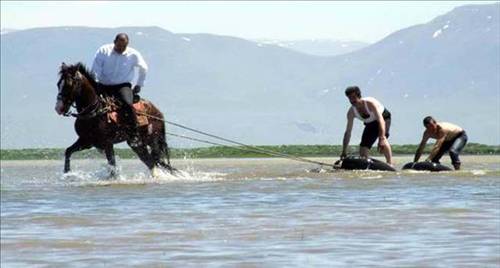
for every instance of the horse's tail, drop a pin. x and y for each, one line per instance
(162, 151)
(162, 142)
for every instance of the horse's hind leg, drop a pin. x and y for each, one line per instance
(166, 165)
(142, 152)
(75, 147)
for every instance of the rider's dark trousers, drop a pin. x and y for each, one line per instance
(124, 93)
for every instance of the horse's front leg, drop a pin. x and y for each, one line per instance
(75, 147)
(110, 156)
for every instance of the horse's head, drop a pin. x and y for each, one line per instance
(69, 86)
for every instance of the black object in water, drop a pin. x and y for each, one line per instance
(427, 166)
(356, 162)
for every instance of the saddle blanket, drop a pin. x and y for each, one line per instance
(139, 106)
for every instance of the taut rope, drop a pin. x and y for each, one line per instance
(248, 147)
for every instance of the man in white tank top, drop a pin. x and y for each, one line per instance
(377, 120)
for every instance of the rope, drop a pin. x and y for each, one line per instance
(253, 149)
(249, 147)
(210, 142)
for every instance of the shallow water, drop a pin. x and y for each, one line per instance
(249, 213)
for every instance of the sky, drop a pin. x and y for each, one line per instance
(367, 21)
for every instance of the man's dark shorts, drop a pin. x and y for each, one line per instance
(370, 133)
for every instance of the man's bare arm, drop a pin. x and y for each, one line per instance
(382, 139)
(439, 142)
(380, 119)
(347, 133)
(421, 147)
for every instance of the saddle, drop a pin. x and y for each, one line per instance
(113, 107)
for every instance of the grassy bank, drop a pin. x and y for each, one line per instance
(219, 152)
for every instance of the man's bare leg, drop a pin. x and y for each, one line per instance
(387, 151)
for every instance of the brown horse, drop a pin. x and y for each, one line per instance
(77, 87)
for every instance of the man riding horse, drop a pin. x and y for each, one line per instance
(113, 68)
(96, 122)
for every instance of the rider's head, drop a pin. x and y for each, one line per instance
(121, 42)
(353, 93)
(429, 123)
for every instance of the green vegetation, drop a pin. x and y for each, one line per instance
(233, 152)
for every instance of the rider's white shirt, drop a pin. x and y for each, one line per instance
(112, 68)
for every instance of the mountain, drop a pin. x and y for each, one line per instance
(7, 30)
(448, 67)
(317, 47)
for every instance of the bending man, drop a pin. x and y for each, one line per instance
(449, 138)
(377, 120)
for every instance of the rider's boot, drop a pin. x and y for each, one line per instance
(132, 127)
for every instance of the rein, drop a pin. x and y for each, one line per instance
(92, 110)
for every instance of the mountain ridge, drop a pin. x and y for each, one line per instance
(233, 87)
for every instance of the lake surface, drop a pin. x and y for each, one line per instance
(249, 213)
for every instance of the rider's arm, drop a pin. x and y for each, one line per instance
(421, 147)
(143, 69)
(348, 130)
(439, 142)
(98, 64)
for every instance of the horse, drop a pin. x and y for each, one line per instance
(78, 87)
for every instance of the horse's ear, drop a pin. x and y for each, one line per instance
(64, 66)
(78, 75)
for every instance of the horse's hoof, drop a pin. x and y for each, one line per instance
(113, 173)
(172, 170)
(155, 172)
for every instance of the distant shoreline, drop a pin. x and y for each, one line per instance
(233, 152)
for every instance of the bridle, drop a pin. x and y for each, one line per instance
(89, 111)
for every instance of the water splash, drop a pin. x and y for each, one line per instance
(371, 177)
(104, 177)
(478, 172)
(189, 175)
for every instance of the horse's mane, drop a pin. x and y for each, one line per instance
(80, 67)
